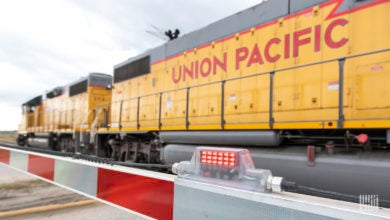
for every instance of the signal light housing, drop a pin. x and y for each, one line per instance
(230, 167)
(218, 158)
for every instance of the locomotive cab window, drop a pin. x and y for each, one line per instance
(28, 109)
(131, 70)
(31, 105)
(31, 108)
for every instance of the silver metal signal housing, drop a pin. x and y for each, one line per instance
(230, 167)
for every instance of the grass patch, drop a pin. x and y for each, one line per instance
(23, 184)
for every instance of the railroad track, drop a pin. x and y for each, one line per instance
(7, 143)
(156, 167)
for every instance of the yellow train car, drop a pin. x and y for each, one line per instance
(62, 118)
(272, 73)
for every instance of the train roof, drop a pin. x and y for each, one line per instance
(253, 16)
(34, 101)
(95, 79)
(92, 79)
(55, 92)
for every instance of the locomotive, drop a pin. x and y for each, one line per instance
(56, 118)
(274, 78)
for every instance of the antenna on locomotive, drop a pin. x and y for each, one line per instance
(157, 32)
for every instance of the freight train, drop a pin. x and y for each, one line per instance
(302, 84)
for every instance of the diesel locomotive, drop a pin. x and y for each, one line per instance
(275, 78)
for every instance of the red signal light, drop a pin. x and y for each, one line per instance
(218, 158)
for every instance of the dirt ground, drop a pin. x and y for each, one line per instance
(32, 193)
(19, 191)
(95, 211)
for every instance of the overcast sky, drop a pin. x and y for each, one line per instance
(48, 43)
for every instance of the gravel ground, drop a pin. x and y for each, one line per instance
(87, 212)
(20, 191)
(33, 193)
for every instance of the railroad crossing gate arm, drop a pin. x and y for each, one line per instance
(145, 193)
(154, 195)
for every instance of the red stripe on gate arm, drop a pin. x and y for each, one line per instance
(4, 156)
(149, 196)
(41, 166)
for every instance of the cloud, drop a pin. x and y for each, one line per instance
(135, 17)
(10, 116)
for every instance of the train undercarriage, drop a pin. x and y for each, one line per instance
(152, 147)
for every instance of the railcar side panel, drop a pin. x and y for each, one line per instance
(225, 92)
